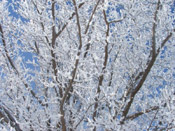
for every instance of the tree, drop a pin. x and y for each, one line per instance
(87, 65)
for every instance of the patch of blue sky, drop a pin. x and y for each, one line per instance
(34, 86)
(32, 67)
(27, 56)
(13, 11)
(143, 97)
(117, 8)
(138, 108)
(110, 60)
(151, 96)
(165, 70)
(2, 74)
(129, 37)
(109, 9)
(172, 16)
(148, 43)
(119, 116)
(164, 49)
(111, 26)
(100, 129)
(127, 76)
(157, 126)
(49, 2)
(147, 50)
(172, 7)
(85, 125)
(158, 88)
(57, 7)
(173, 22)
(164, 83)
(155, 90)
(69, 3)
(90, 10)
(162, 56)
(173, 75)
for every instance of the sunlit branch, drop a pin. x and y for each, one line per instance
(87, 111)
(64, 26)
(101, 77)
(141, 113)
(74, 70)
(7, 117)
(152, 120)
(93, 12)
(154, 30)
(6, 51)
(13, 66)
(144, 76)
(88, 25)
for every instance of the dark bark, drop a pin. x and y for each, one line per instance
(9, 118)
(153, 55)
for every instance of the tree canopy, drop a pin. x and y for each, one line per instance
(101, 65)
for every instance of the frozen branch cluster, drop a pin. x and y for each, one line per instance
(101, 65)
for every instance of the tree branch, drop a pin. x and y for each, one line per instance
(6, 51)
(73, 14)
(93, 12)
(8, 117)
(141, 113)
(14, 68)
(154, 30)
(101, 77)
(87, 27)
(145, 73)
(74, 70)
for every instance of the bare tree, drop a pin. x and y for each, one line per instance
(87, 65)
